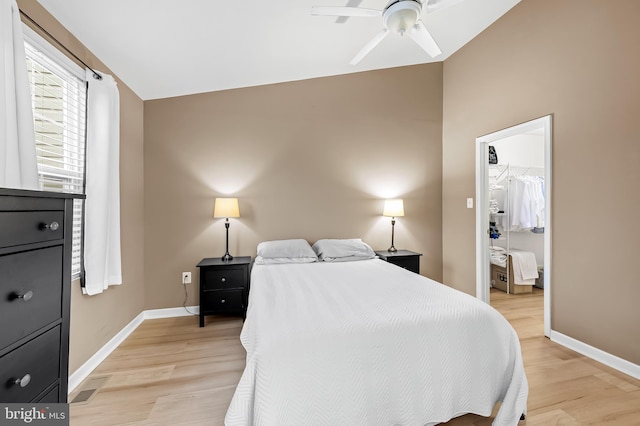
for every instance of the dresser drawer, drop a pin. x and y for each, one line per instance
(51, 396)
(28, 227)
(224, 300)
(223, 278)
(36, 276)
(36, 363)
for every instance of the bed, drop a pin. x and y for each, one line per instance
(369, 343)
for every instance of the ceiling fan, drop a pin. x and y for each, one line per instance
(399, 16)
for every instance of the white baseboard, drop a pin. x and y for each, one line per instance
(83, 372)
(601, 356)
(171, 312)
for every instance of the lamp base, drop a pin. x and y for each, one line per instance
(392, 249)
(227, 257)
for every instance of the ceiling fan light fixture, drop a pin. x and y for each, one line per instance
(401, 16)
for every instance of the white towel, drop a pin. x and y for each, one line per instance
(525, 267)
(498, 256)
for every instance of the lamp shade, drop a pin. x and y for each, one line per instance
(226, 207)
(393, 208)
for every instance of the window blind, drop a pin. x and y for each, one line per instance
(59, 105)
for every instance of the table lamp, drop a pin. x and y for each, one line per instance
(226, 207)
(393, 209)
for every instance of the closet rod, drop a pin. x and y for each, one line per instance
(522, 170)
(95, 74)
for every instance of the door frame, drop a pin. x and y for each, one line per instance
(482, 209)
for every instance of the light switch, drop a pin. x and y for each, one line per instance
(469, 203)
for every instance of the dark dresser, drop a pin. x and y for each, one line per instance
(35, 281)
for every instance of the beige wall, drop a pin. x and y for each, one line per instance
(96, 319)
(310, 159)
(577, 60)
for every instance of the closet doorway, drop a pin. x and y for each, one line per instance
(528, 163)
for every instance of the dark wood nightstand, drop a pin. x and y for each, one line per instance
(224, 286)
(404, 258)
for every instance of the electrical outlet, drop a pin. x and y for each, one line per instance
(186, 278)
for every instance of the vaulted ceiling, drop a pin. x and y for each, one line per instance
(165, 48)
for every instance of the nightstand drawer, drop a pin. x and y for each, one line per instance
(410, 263)
(36, 364)
(223, 278)
(224, 300)
(406, 259)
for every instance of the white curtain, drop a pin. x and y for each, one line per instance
(18, 162)
(102, 262)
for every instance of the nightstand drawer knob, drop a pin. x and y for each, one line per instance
(224, 280)
(24, 381)
(222, 301)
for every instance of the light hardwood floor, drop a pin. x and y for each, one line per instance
(172, 372)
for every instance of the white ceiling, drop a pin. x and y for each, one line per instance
(165, 48)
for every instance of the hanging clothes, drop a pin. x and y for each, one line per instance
(526, 204)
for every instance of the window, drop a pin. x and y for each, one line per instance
(58, 93)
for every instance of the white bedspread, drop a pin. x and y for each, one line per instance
(369, 343)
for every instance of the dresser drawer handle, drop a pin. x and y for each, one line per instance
(224, 280)
(53, 226)
(26, 297)
(24, 381)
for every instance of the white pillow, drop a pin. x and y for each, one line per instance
(285, 251)
(343, 250)
(280, 260)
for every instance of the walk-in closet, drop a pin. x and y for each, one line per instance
(517, 213)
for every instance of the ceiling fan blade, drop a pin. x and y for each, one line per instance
(369, 46)
(421, 36)
(350, 3)
(433, 5)
(345, 11)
